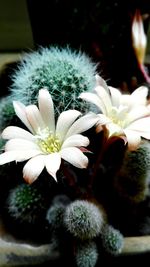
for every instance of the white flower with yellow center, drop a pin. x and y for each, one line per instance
(46, 144)
(123, 115)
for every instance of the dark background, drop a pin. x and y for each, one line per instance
(101, 28)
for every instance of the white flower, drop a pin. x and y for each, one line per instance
(123, 115)
(46, 144)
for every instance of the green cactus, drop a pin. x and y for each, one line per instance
(7, 113)
(86, 254)
(132, 181)
(112, 240)
(83, 219)
(65, 73)
(26, 203)
(55, 216)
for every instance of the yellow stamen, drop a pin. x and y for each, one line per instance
(48, 142)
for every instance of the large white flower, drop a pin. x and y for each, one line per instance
(123, 115)
(46, 144)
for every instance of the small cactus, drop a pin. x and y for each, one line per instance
(132, 181)
(7, 113)
(63, 72)
(112, 240)
(83, 219)
(26, 203)
(86, 254)
(55, 216)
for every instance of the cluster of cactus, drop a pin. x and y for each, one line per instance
(66, 74)
(85, 222)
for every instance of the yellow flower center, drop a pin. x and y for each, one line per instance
(119, 118)
(48, 142)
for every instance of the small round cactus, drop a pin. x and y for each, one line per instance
(86, 254)
(132, 181)
(55, 216)
(83, 219)
(7, 113)
(112, 240)
(65, 73)
(26, 203)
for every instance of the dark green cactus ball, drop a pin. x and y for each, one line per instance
(7, 113)
(132, 181)
(55, 216)
(26, 203)
(86, 254)
(83, 219)
(112, 240)
(65, 73)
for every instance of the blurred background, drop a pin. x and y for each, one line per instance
(101, 28)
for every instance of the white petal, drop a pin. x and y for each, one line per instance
(20, 111)
(33, 168)
(76, 140)
(65, 120)
(52, 163)
(16, 132)
(133, 139)
(115, 96)
(94, 99)
(47, 109)
(141, 126)
(126, 100)
(26, 154)
(20, 144)
(7, 157)
(17, 155)
(104, 97)
(114, 129)
(101, 82)
(103, 119)
(83, 124)
(74, 156)
(34, 117)
(139, 95)
(137, 113)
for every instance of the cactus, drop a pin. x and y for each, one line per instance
(7, 113)
(132, 181)
(65, 73)
(112, 240)
(86, 254)
(26, 203)
(55, 216)
(83, 219)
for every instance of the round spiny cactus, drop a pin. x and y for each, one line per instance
(112, 240)
(132, 181)
(86, 254)
(55, 216)
(7, 113)
(83, 219)
(65, 73)
(26, 203)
